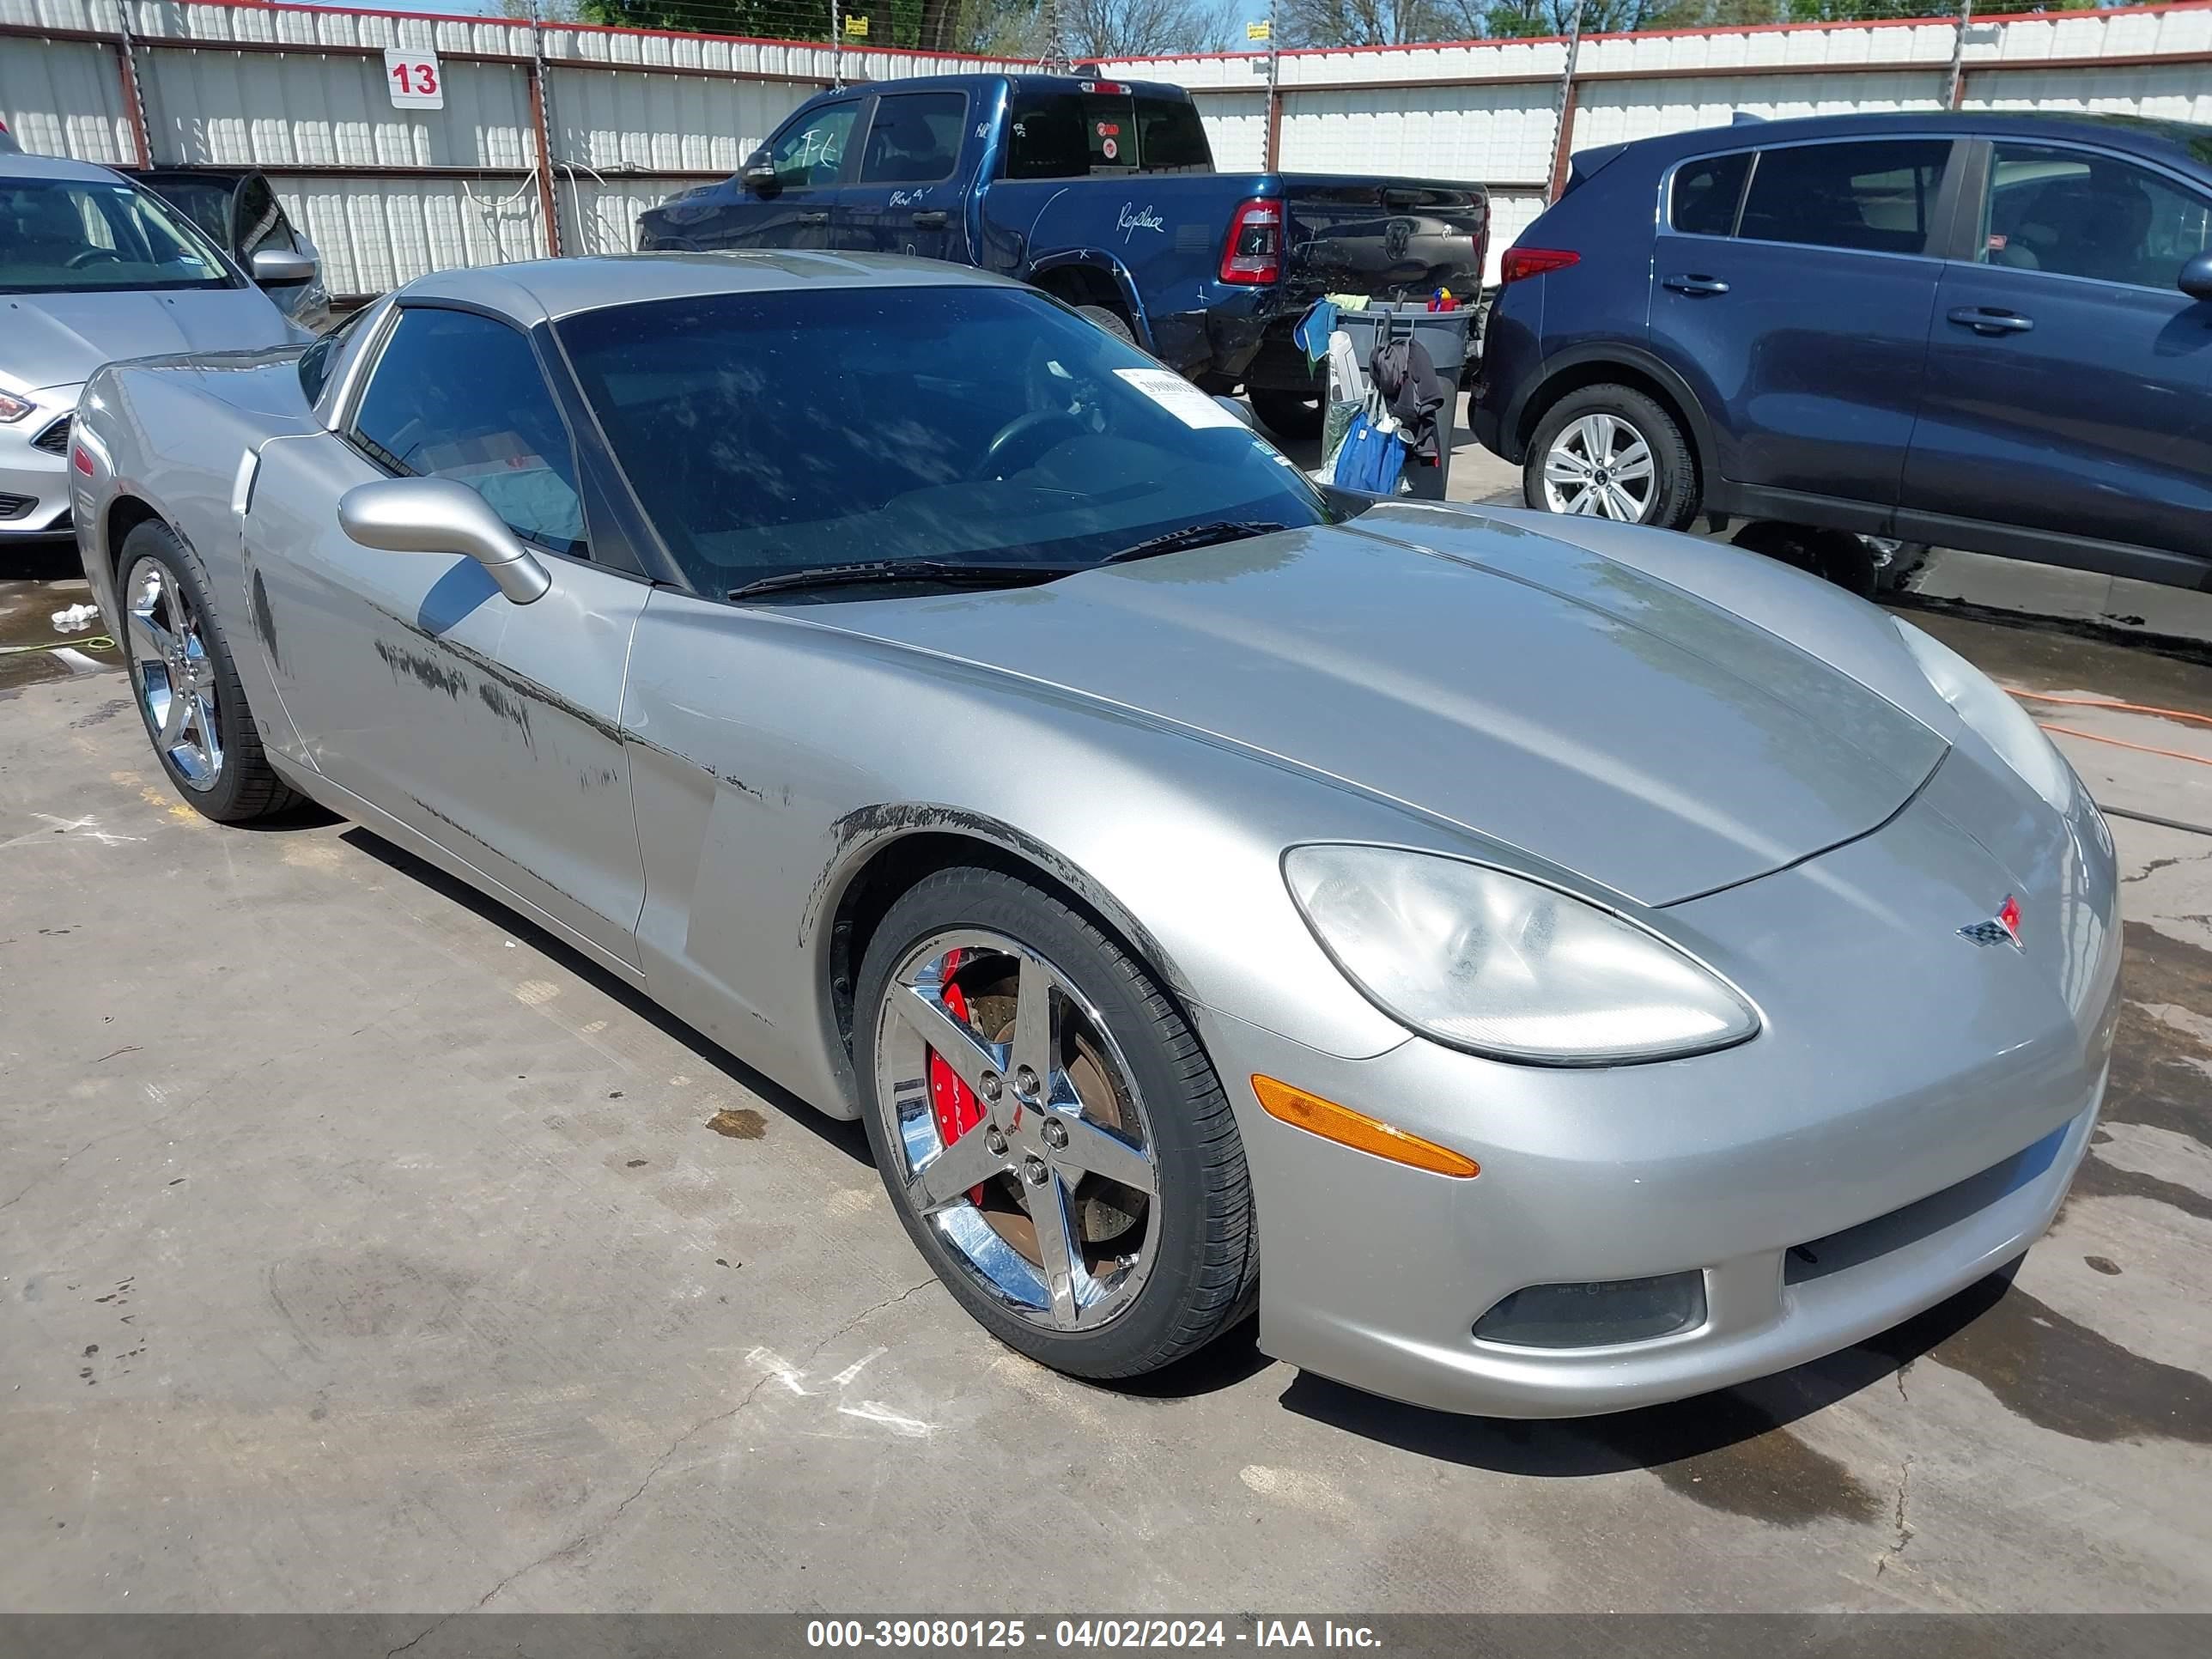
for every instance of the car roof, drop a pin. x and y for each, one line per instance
(14, 166)
(975, 82)
(541, 289)
(2167, 141)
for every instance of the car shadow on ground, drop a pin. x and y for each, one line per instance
(1729, 1450)
(40, 562)
(1654, 1437)
(848, 1138)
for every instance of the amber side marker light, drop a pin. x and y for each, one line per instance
(1346, 1127)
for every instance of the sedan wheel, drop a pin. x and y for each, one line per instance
(174, 673)
(1601, 465)
(1048, 1128)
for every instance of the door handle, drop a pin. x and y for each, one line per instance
(819, 217)
(1990, 319)
(930, 219)
(1695, 285)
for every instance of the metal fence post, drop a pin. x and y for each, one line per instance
(1563, 145)
(546, 203)
(1957, 93)
(134, 99)
(1274, 158)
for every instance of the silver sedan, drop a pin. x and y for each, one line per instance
(94, 268)
(1544, 966)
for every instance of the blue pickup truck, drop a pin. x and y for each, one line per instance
(1102, 193)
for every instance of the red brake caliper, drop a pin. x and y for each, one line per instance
(953, 1102)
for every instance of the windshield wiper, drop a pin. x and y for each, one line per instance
(1194, 535)
(901, 570)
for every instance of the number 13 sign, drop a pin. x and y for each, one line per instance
(413, 78)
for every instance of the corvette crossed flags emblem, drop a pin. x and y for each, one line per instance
(2002, 928)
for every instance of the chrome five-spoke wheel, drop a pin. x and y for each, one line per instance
(173, 671)
(1023, 1141)
(1600, 465)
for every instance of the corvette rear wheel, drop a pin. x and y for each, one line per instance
(1049, 1131)
(186, 683)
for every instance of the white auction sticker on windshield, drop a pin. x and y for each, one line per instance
(1178, 397)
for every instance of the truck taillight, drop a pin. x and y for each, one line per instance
(1521, 262)
(1255, 253)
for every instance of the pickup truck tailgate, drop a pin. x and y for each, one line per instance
(1389, 238)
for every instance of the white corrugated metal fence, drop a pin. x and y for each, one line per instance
(589, 126)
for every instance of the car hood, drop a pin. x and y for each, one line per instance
(1535, 692)
(59, 339)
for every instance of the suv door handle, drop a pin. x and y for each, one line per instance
(1695, 284)
(930, 219)
(1990, 319)
(819, 217)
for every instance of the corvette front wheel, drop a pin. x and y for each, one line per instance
(1049, 1130)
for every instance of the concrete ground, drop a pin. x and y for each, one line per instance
(361, 1249)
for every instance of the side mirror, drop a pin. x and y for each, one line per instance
(436, 515)
(2196, 278)
(280, 267)
(1237, 407)
(759, 174)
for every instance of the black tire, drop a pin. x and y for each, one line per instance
(244, 788)
(1834, 556)
(1204, 1277)
(1111, 320)
(1293, 415)
(1673, 501)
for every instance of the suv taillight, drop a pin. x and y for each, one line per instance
(1521, 262)
(1255, 253)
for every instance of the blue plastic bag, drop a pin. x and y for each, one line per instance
(1370, 458)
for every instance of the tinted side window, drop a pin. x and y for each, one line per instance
(2084, 214)
(914, 138)
(1170, 136)
(813, 151)
(459, 396)
(1879, 196)
(1706, 192)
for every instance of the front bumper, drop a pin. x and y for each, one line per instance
(34, 490)
(1913, 1111)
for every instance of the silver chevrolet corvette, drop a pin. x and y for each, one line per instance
(1583, 965)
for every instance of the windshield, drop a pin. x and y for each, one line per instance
(777, 432)
(86, 236)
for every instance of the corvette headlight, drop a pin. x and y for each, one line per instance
(1505, 966)
(1992, 711)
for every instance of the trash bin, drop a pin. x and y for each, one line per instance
(1443, 335)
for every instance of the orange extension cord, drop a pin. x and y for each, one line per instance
(2120, 708)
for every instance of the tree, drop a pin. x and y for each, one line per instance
(1139, 28)
(1358, 22)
